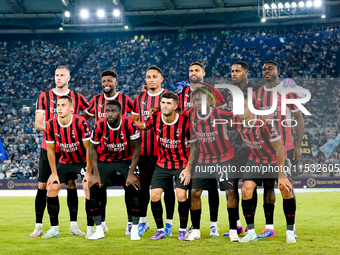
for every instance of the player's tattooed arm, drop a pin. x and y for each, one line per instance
(53, 179)
(39, 121)
(283, 181)
(132, 179)
(300, 129)
(95, 179)
(193, 152)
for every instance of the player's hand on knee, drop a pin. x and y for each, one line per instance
(95, 179)
(133, 180)
(284, 184)
(185, 176)
(53, 179)
(85, 182)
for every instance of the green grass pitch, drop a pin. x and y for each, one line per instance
(317, 227)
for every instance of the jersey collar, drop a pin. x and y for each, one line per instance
(115, 129)
(68, 124)
(172, 123)
(206, 117)
(59, 94)
(111, 98)
(153, 95)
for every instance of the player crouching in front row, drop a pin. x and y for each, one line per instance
(120, 146)
(71, 134)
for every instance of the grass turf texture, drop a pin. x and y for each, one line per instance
(317, 225)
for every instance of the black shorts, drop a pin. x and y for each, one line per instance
(146, 165)
(163, 179)
(240, 160)
(225, 172)
(230, 184)
(44, 166)
(67, 172)
(292, 167)
(109, 172)
(204, 183)
(257, 175)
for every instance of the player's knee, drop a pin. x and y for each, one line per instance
(53, 191)
(247, 192)
(71, 184)
(269, 185)
(196, 194)
(42, 185)
(181, 195)
(230, 193)
(285, 193)
(155, 195)
(231, 198)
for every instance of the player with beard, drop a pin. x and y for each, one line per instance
(142, 106)
(262, 99)
(211, 145)
(69, 132)
(196, 77)
(172, 131)
(118, 139)
(97, 110)
(46, 110)
(239, 73)
(266, 160)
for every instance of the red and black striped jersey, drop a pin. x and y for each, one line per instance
(184, 99)
(258, 138)
(172, 139)
(184, 96)
(263, 99)
(211, 134)
(98, 104)
(142, 105)
(69, 138)
(115, 143)
(47, 104)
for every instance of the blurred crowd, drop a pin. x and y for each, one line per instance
(27, 69)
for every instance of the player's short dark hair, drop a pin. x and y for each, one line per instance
(114, 103)
(243, 64)
(63, 67)
(170, 95)
(155, 68)
(197, 63)
(204, 90)
(109, 73)
(66, 97)
(274, 63)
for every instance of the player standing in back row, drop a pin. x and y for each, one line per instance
(96, 110)
(46, 110)
(142, 106)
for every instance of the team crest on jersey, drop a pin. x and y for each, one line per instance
(122, 135)
(177, 133)
(73, 134)
(256, 135)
